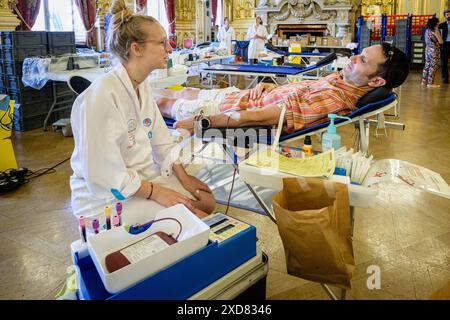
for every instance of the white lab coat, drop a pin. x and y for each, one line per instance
(225, 37)
(118, 143)
(256, 45)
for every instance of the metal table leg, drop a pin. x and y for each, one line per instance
(52, 106)
(55, 103)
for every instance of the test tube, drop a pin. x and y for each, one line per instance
(95, 225)
(116, 221)
(108, 218)
(119, 211)
(82, 229)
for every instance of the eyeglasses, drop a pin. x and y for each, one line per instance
(164, 43)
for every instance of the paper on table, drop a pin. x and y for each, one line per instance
(321, 165)
(411, 174)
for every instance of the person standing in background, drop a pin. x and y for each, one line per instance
(444, 27)
(433, 40)
(226, 35)
(257, 34)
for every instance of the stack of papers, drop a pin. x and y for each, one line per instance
(409, 173)
(320, 165)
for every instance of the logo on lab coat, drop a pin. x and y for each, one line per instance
(131, 126)
(147, 122)
(150, 134)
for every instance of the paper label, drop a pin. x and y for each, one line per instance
(327, 143)
(144, 248)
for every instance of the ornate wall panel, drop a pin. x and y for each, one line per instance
(185, 20)
(240, 12)
(435, 6)
(242, 15)
(422, 7)
(377, 7)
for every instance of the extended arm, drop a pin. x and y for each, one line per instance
(258, 117)
(438, 36)
(263, 116)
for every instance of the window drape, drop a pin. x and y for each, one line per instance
(87, 14)
(27, 10)
(170, 12)
(141, 4)
(214, 11)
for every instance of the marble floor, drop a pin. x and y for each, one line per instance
(406, 234)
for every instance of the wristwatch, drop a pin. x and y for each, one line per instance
(205, 123)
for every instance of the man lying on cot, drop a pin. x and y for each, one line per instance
(307, 102)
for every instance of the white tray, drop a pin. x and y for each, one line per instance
(359, 196)
(194, 236)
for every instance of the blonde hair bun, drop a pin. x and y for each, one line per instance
(119, 8)
(125, 28)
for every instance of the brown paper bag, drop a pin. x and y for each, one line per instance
(313, 218)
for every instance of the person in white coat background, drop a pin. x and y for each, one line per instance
(122, 146)
(226, 35)
(257, 34)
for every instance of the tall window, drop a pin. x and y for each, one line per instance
(60, 15)
(157, 10)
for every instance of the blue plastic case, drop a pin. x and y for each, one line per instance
(178, 281)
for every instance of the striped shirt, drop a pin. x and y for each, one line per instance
(307, 102)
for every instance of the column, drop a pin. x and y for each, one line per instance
(199, 21)
(342, 20)
(342, 29)
(103, 7)
(8, 19)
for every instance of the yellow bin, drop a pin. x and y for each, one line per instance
(7, 158)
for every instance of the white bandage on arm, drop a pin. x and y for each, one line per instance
(208, 101)
(184, 109)
(215, 94)
(233, 114)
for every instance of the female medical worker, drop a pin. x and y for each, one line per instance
(257, 34)
(226, 35)
(122, 145)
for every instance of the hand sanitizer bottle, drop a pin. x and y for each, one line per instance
(169, 67)
(331, 139)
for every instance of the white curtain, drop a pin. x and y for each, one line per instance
(157, 9)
